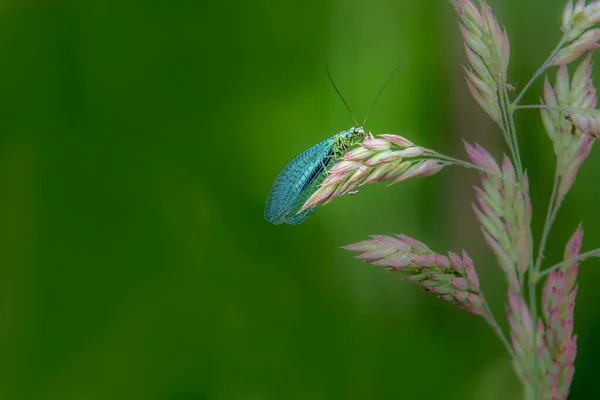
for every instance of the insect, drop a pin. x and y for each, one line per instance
(301, 177)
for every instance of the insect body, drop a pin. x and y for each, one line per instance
(299, 179)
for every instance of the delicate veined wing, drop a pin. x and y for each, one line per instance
(301, 177)
(293, 181)
(295, 219)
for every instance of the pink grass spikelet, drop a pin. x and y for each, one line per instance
(572, 134)
(522, 336)
(449, 277)
(421, 169)
(587, 123)
(357, 154)
(470, 272)
(586, 42)
(558, 306)
(417, 245)
(375, 144)
(579, 26)
(385, 158)
(488, 51)
(504, 213)
(481, 157)
(397, 140)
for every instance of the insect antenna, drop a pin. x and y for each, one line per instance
(339, 94)
(389, 78)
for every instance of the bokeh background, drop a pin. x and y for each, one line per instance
(138, 142)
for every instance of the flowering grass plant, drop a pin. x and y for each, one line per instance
(541, 341)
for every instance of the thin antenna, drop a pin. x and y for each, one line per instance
(339, 94)
(380, 91)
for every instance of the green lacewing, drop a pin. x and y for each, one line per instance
(301, 177)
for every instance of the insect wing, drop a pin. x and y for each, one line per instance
(294, 179)
(294, 219)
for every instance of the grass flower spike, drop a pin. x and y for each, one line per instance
(521, 334)
(571, 132)
(488, 51)
(556, 346)
(558, 305)
(504, 213)
(450, 278)
(578, 19)
(541, 342)
(390, 158)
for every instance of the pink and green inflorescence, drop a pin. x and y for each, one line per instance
(541, 339)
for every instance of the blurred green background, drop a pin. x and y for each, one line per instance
(138, 142)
